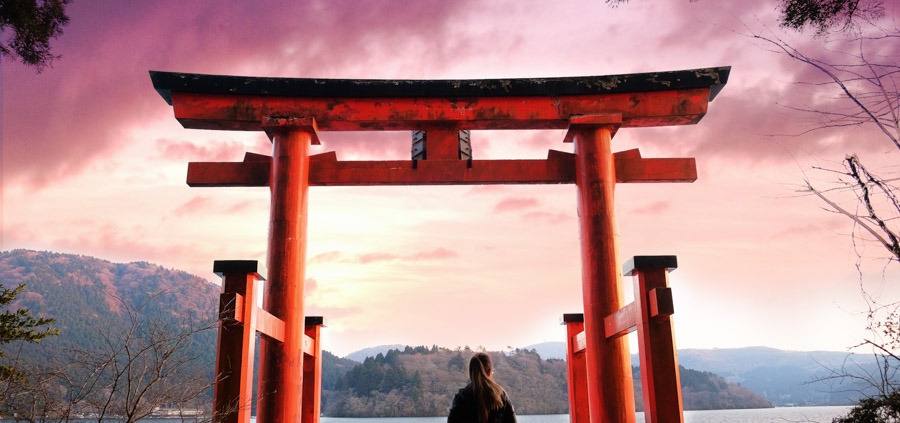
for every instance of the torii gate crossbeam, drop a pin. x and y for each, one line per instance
(441, 113)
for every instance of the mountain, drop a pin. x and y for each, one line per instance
(555, 350)
(333, 369)
(707, 391)
(785, 378)
(90, 298)
(363, 354)
(133, 336)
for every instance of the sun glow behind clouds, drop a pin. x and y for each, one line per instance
(95, 164)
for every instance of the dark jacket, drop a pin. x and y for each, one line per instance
(463, 409)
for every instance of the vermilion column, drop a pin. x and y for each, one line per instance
(281, 364)
(609, 384)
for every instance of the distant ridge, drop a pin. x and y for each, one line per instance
(361, 355)
(782, 377)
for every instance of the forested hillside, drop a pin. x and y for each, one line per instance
(421, 381)
(133, 337)
(91, 298)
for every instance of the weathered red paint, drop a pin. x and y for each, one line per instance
(621, 321)
(638, 109)
(312, 375)
(328, 171)
(610, 388)
(576, 376)
(265, 324)
(660, 379)
(442, 143)
(281, 364)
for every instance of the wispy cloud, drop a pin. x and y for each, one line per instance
(435, 254)
(516, 203)
(654, 207)
(194, 205)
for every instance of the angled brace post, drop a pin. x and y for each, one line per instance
(576, 376)
(312, 370)
(233, 388)
(660, 376)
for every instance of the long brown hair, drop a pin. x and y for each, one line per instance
(488, 394)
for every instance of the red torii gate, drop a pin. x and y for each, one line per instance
(441, 113)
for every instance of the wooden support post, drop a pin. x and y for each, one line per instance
(610, 388)
(312, 371)
(659, 360)
(442, 143)
(281, 364)
(576, 378)
(233, 389)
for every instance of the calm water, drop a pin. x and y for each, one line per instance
(767, 415)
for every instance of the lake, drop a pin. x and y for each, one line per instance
(765, 415)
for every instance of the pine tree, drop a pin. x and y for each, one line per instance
(19, 325)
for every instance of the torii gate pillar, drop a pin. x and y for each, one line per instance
(608, 364)
(281, 363)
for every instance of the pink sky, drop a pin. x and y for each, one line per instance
(94, 163)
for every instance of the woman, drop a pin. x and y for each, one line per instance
(482, 400)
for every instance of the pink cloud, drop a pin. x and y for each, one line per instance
(193, 205)
(436, 254)
(108, 240)
(439, 253)
(548, 217)
(541, 139)
(487, 189)
(800, 231)
(653, 207)
(240, 206)
(310, 285)
(376, 257)
(515, 203)
(332, 314)
(328, 256)
(187, 151)
(78, 110)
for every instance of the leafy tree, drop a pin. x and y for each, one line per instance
(823, 15)
(457, 363)
(827, 14)
(19, 325)
(874, 410)
(30, 25)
